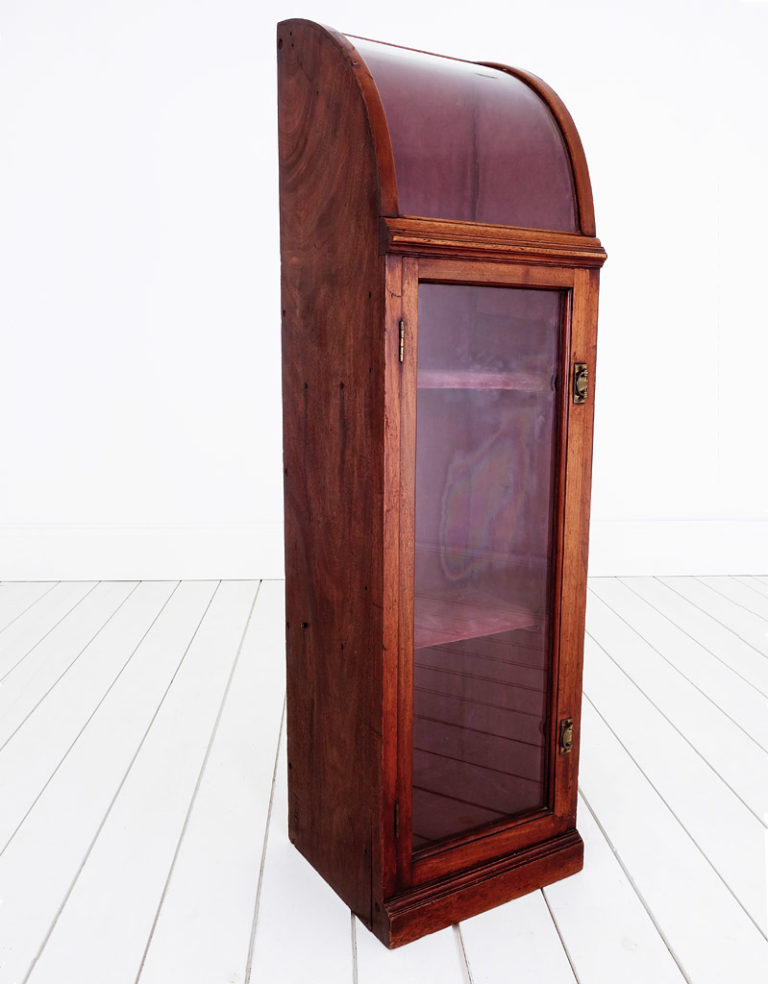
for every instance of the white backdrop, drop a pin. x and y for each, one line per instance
(140, 391)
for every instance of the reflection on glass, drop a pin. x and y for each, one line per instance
(485, 454)
(490, 145)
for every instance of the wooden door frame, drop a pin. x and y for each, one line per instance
(571, 532)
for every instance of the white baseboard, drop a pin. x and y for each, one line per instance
(705, 547)
(66, 553)
(85, 553)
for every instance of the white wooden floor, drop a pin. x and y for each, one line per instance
(143, 814)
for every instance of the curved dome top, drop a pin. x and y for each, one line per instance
(472, 142)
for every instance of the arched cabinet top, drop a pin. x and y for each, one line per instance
(464, 141)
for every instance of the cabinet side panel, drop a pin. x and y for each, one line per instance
(333, 350)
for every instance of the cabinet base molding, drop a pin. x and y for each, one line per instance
(429, 908)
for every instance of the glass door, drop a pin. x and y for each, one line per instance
(486, 494)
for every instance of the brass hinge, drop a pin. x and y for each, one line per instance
(397, 819)
(580, 382)
(566, 735)
(402, 340)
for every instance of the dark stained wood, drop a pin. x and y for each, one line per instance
(351, 268)
(406, 581)
(483, 271)
(333, 423)
(508, 834)
(377, 122)
(465, 894)
(473, 240)
(391, 577)
(575, 541)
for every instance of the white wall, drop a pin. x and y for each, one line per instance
(140, 276)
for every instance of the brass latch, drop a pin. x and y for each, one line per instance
(566, 736)
(580, 382)
(402, 340)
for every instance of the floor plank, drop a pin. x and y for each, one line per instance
(740, 594)
(717, 739)
(23, 634)
(607, 931)
(434, 959)
(143, 818)
(133, 853)
(744, 624)
(34, 752)
(706, 630)
(713, 678)
(41, 863)
(17, 597)
(203, 927)
(710, 934)
(517, 942)
(33, 678)
(302, 929)
(755, 585)
(717, 821)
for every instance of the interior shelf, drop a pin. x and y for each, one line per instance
(483, 380)
(453, 616)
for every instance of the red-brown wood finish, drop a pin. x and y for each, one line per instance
(333, 427)
(461, 123)
(478, 888)
(351, 269)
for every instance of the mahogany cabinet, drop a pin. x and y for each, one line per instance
(439, 308)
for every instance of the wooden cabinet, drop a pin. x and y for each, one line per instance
(439, 308)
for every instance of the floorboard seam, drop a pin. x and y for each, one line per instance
(682, 734)
(566, 951)
(722, 625)
(29, 606)
(688, 834)
(45, 636)
(730, 600)
(90, 718)
(69, 666)
(466, 970)
(198, 783)
(636, 889)
(677, 670)
(353, 938)
(743, 579)
(257, 902)
(693, 638)
(112, 802)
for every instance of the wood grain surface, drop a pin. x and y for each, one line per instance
(351, 269)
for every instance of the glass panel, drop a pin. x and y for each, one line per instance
(489, 147)
(485, 472)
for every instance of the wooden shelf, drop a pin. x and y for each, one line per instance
(482, 380)
(451, 617)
